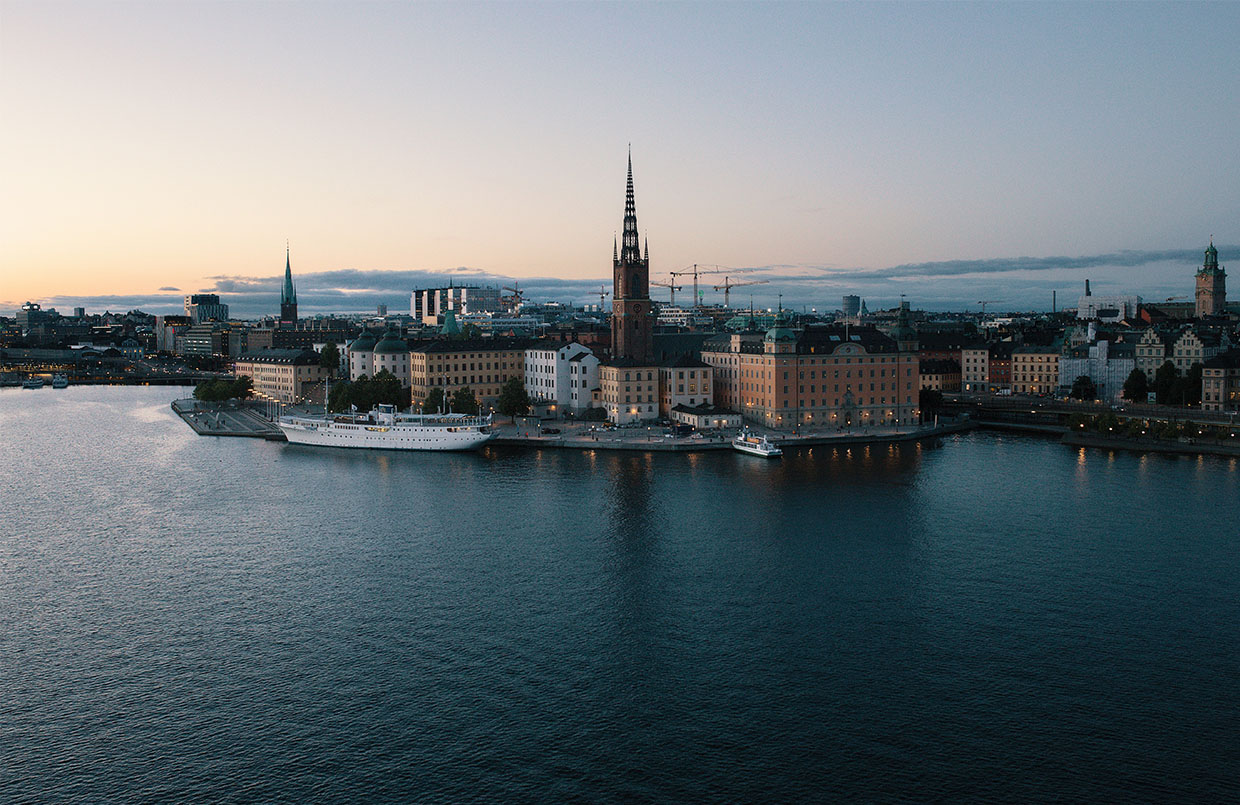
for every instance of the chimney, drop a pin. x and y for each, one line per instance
(1087, 287)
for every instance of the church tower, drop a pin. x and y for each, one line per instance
(288, 294)
(1211, 286)
(631, 334)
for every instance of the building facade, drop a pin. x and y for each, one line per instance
(1198, 345)
(1107, 364)
(975, 368)
(1035, 370)
(200, 307)
(824, 376)
(556, 375)
(939, 375)
(1220, 382)
(287, 375)
(482, 365)
(686, 383)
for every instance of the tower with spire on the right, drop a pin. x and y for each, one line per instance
(631, 332)
(1211, 285)
(288, 294)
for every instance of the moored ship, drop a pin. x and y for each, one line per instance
(748, 442)
(60, 382)
(386, 429)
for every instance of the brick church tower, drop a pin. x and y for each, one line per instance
(1211, 286)
(631, 334)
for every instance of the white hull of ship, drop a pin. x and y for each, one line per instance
(385, 437)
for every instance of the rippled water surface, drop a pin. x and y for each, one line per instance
(189, 618)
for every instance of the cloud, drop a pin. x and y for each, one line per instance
(1021, 283)
(169, 288)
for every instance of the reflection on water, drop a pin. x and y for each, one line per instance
(185, 617)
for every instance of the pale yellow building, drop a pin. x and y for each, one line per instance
(287, 375)
(482, 365)
(629, 392)
(1035, 370)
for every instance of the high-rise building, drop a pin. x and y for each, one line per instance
(852, 305)
(631, 334)
(288, 294)
(202, 307)
(1211, 285)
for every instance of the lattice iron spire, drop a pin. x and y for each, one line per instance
(630, 250)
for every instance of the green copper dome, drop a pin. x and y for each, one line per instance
(391, 343)
(363, 343)
(779, 334)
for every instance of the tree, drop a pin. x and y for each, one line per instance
(930, 401)
(513, 398)
(464, 401)
(1191, 394)
(221, 389)
(1083, 388)
(1164, 382)
(1136, 387)
(433, 403)
(329, 357)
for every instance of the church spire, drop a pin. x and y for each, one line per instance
(288, 295)
(630, 251)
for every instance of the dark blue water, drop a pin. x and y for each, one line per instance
(196, 619)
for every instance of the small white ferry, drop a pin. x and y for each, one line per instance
(33, 383)
(60, 382)
(755, 445)
(386, 429)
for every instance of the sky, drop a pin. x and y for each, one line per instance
(951, 152)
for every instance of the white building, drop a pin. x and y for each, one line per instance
(360, 356)
(975, 368)
(428, 305)
(562, 375)
(1108, 308)
(1107, 364)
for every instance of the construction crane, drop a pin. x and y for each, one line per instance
(1174, 298)
(671, 286)
(603, 293)
(696, 272)
(989, 302)
(728, 285)
(514, 299)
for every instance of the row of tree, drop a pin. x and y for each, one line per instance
(1169, 387)
(224, 388)
(367, 392)
(1109, 424)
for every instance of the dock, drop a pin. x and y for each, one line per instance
(226, 419)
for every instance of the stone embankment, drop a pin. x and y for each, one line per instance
(226, 419)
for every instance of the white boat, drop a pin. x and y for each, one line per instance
(60, 382)
(755, 445)
(386, 429)
(33, 383)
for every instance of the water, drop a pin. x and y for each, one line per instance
(195, 619)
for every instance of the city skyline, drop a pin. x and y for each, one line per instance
(154, 151)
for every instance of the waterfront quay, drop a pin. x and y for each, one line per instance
(249, 420)
(226, 419)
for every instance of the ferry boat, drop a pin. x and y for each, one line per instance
(60, 382)
(386, 429)
(755, 445)
(33, 383)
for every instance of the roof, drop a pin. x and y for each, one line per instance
(939, 367)
(391, 343)
(294, 357)
(686, 361)
(705, 409)
(1225, 360)
(473, 345)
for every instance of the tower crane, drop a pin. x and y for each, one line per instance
(696, 272)
(671, 286)
(989, 302)
(603, 293)
(728, 285)
(515, 298)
